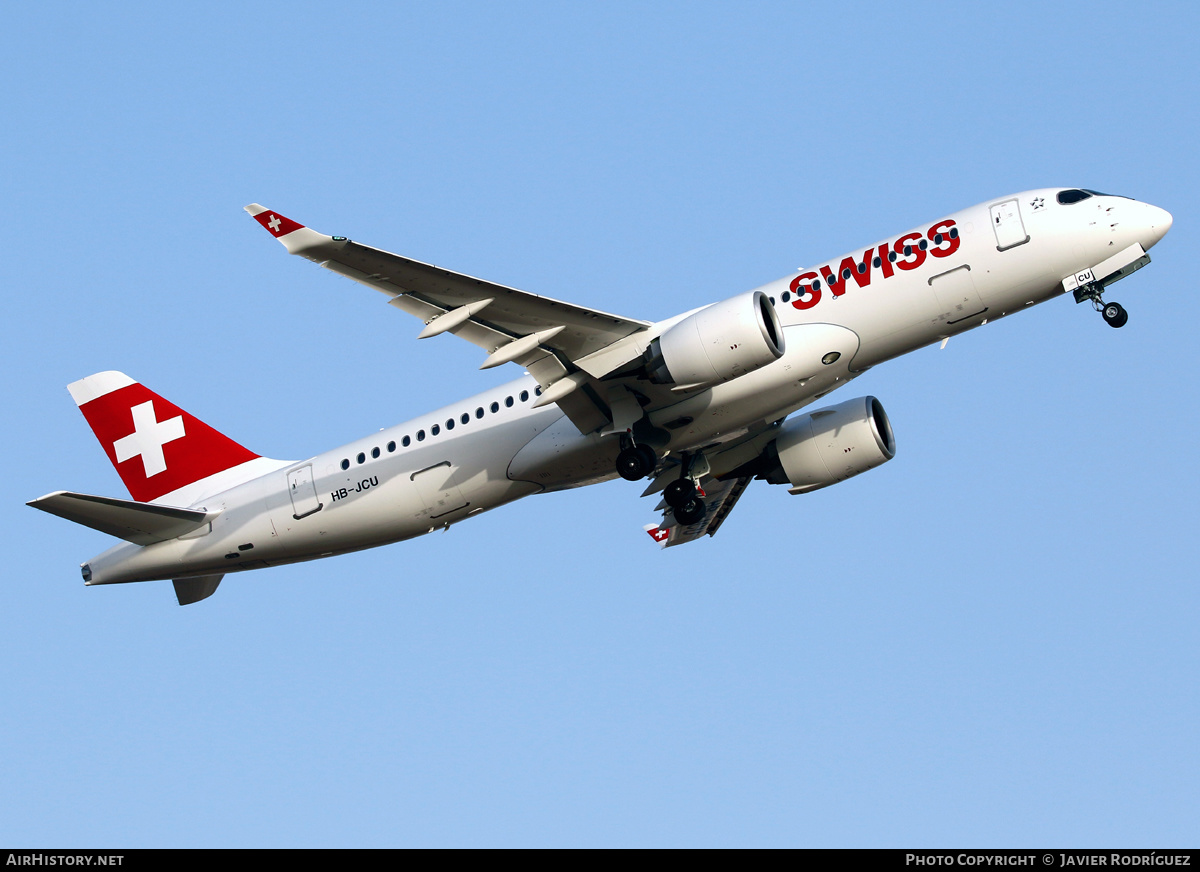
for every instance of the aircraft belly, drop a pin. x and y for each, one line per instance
(561, 457)
(239, 539)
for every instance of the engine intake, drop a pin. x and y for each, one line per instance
(821, 448)
(718, 343)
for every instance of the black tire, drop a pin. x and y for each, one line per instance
(679, 491)
(635, 462)
(650, 458)
(690, 512)
(631, 464)
(1115, 315)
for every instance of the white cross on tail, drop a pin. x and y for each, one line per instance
(148, 438)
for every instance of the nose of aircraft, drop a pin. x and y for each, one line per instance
(1156, 222)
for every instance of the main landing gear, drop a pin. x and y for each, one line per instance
(635, 461)
(1114, 314)
(683, 497)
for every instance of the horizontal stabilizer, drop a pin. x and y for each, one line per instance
(192, 590)
(140, 523)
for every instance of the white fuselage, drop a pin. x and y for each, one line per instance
(437, 470)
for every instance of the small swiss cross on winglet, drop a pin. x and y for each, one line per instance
(657, 534)
(277, 224)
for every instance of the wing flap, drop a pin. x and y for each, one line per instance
(140, 523)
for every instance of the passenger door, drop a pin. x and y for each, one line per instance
(1007, 223)
(303, 492)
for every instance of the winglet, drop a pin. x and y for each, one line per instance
(658, 534)
(296, 238)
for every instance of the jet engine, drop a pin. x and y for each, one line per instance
(717, 344)
(821, 448)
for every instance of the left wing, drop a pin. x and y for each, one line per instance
(559, 343)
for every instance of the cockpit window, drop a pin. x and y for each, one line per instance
(1072, 196)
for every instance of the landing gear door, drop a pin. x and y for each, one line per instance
(438, 490)
(303, 491)
(1007, 223)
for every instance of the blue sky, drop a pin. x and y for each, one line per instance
(989, 641)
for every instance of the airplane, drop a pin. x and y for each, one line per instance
(698, 405)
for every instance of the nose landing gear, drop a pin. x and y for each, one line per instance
(1114, 314)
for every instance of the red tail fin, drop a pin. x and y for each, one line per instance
(156, 447)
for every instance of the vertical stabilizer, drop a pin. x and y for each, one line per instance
(158, 449)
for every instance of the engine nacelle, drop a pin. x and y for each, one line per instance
(717, 344)
(821, 448)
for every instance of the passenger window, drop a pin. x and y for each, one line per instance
(524, 396)
(508, 401)
(479, 412)
(420, 435)
(495, 408)
(391, 447)
(434, 430)
(449, 423)
(362, 458)
(375, 452)
(406, 441)
(465, 418)
(346, 463)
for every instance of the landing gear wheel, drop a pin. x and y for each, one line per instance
(690, 512)
(635, 462)
(678, 492)
(650, 458)
(631, 464)
(1114, 314)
